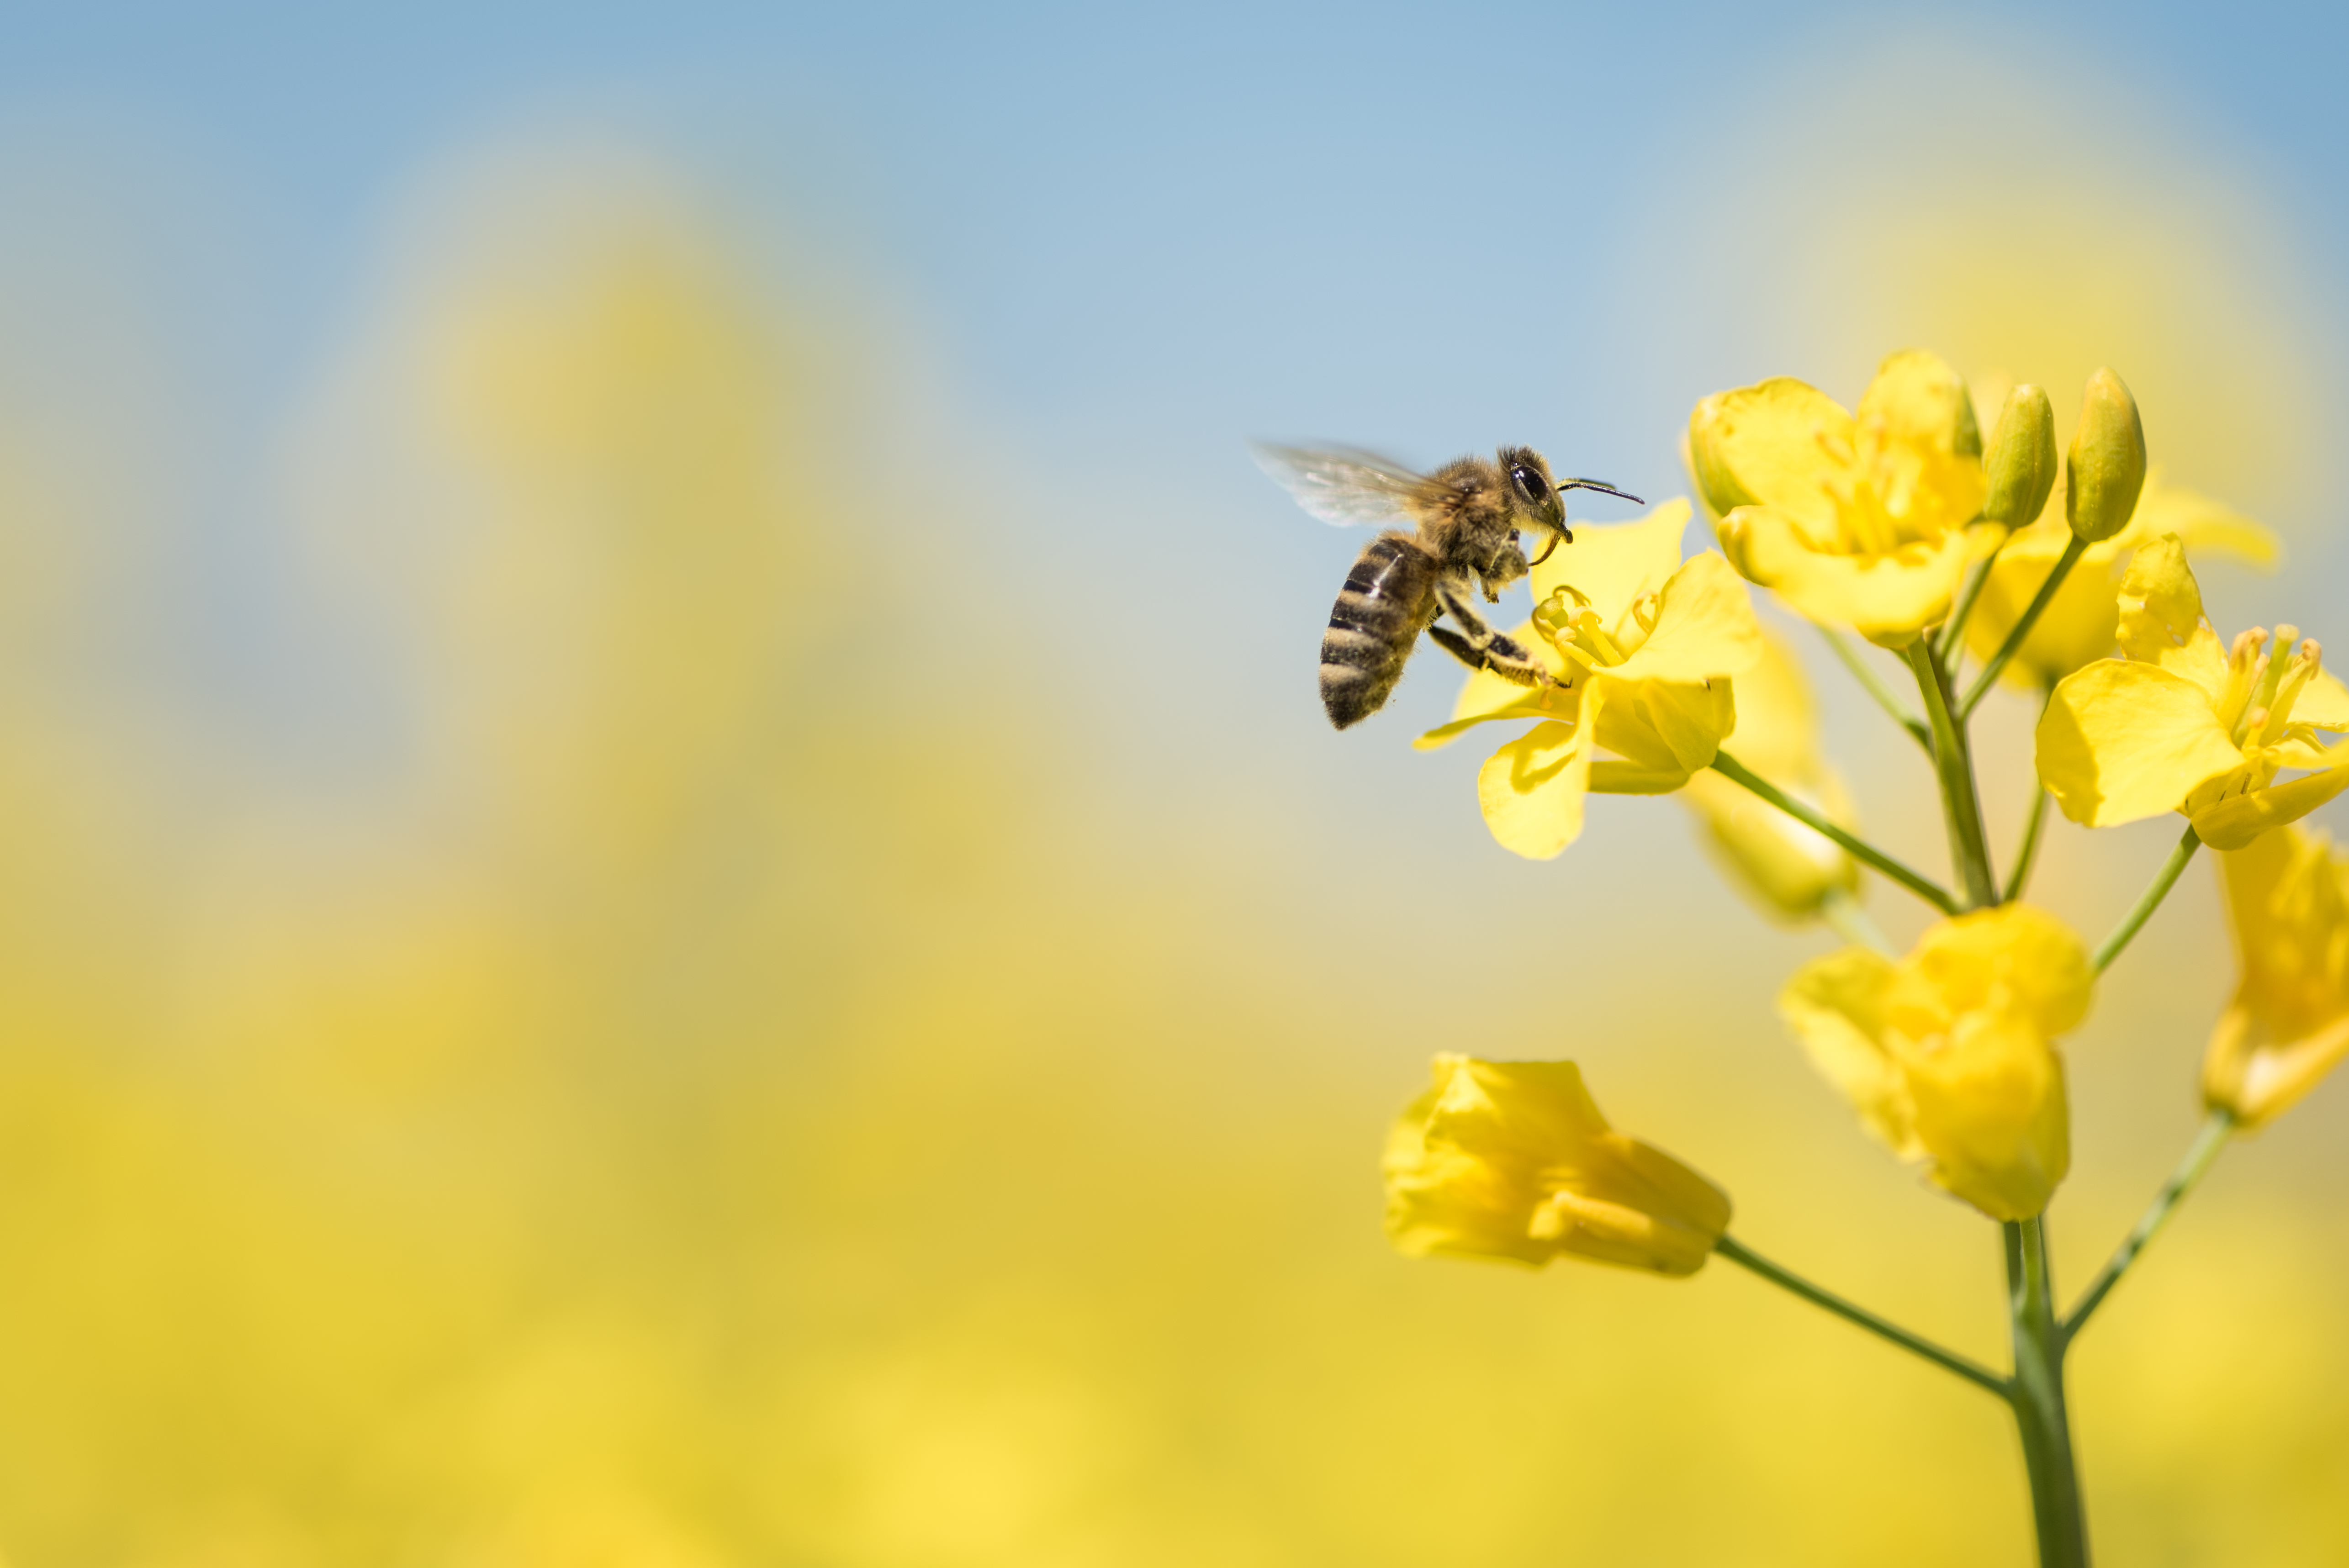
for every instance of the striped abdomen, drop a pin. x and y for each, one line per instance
(1388, 600)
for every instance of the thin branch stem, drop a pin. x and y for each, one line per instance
(1873, 684)
(1949, 1360)
(2200, 1156)
(1954, 631)
(1924, 887)
(2149, 901)
(1969, 847)
(2027, 852)
(2014, 639)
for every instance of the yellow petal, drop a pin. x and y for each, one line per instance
(2288, 1026)
(1917, 399)
(1704, 627)
(1664, 725)
(1485, 696)
(1835, 1005)
(2235, 822)
(1888, 598)
(1532, 790)
(2323, 703)
(1613, 566)
(2161, 618)
(1767, 444)
(2014, 959)
(2123, 741)
(1777, 732)
(2204, 526)
(1990, 1111)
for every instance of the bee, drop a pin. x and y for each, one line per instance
(1469, 519)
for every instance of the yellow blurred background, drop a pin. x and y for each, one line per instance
(768, 998)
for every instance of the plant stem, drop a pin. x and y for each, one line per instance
(2198, 1159)
(1955, 630)
(1950, 1360)
(1962, 808)
(2036, 1393)
(2028, 852)
(2014, 639)
(2149, 901)
(1923, 887)
(1873, 684)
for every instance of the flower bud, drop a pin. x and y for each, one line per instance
(1512, 1161)
(2107, 463)
(2021, 464)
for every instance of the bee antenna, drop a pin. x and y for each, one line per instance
(1602, 488)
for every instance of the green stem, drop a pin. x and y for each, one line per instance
(2190, 1171)
(2026, 854)
(1861, 850)
(2036, 1393)
(2149, 901)
(1873, 684)
(2014, 639)
(1955, 630)
(2027, 851)
(1969, 847)
(1950, 1360)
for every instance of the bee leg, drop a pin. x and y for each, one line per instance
(1480, 647)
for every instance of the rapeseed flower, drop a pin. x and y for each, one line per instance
(2183, 723)
(1512, 1160)
(2287, 1025)
(1865, 519)
(1948, 1054)
(1643, 646)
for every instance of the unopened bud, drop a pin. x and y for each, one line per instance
(2021, 464)
(2108, 464)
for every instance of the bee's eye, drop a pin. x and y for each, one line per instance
(1529, 487)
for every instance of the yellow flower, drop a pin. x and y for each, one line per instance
(2182, 724)
(2288, 1026)
(1788, 869)
(1511, 1159)
(1642, 645)
(1860, 520)
(2081, 624)
(1947, 1055)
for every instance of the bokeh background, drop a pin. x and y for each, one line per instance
(671, 893)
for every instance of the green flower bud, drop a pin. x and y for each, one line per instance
(2021, 467)
(2107, 466)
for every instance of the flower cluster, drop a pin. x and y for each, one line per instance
(2067, 576)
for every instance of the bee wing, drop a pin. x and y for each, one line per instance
(1343, 485)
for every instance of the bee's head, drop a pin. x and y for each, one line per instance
(1534, 502)
(1538, 500)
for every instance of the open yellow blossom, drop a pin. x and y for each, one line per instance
(2184, 724)
(2082, 623)
(1864, 520)
(1512, 1161)
(1948, 1054)
(1786, 867)
(1643, 646)
(2288, 1026)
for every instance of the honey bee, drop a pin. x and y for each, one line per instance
(1469, 519)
